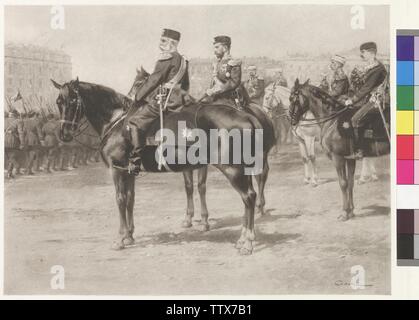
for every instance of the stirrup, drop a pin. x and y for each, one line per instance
(133, 168)
(358, 155)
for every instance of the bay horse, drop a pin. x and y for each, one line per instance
(276, 104)
(327, 112)
(104, 108)
(202, 173)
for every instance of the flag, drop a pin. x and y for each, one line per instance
(17, 97)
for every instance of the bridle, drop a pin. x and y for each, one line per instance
(78, 114)
(317, 120)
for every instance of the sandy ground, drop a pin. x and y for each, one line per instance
(70, 219)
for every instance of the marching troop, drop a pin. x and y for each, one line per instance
(32, 144)
(168, 85)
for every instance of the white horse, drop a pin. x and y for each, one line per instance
(276, 105)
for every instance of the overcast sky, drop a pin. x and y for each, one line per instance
(106, 43)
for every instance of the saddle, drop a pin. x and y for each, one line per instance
(372, 128)
(180, 122)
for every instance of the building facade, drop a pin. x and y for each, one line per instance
(29, 69)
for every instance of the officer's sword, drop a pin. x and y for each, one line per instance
(383, 118)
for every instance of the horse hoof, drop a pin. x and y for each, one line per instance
(186, 224)
(246, 251)
(351, 215)
(205, 227)
(343, 218)
(128, 241)
(306, 181)
(239, 244)
(118, 246)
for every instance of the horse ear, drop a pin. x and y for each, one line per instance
(297, 83)
(57, 85)
(76, 82)
(307, 82)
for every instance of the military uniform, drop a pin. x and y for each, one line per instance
(226, 87)
(33, 138)
(255, 87)
(372, 77)
(168, 85)
(339, 85)
(50, 131)
(13, 136)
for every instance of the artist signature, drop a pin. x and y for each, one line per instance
(341, 283)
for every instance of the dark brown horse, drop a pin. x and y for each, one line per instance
(202, 173)
(103, 107)
(327, 112)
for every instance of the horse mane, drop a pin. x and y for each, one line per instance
(115, 98)
(325, 97)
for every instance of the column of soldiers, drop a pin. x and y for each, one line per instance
(32, 144)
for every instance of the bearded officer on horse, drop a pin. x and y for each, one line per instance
(165, 88)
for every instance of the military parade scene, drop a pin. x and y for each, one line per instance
(94, 190)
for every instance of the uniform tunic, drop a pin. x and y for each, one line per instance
(255, 87)
(339, 85)
(226, 87)
(373, 77)
(13, 133)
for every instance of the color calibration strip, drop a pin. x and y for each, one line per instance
(407, 237)
(408, 107)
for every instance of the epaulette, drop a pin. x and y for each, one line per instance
(234, 62)
(165, 56)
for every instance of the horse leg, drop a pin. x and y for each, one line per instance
(304, 156)
(130, 192)
(312, 160)
(261, 182)
(351, 165)
(243, 185)
(340, 165)
(188, 178)
(202, 188)
(119, 179)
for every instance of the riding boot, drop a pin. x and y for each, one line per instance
(355, 146)
(138, 140)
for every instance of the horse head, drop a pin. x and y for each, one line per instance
(140, 78)
(299, 101)
(70, 105)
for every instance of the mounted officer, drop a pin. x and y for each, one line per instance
(13, 140)
(339, 84)
(226, 87)
(166, 87)
(374, 75)
(255, 85)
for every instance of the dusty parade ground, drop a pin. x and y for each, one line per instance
(70, 219)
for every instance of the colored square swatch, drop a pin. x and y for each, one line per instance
(406, 147)
(416, 73)
(405, 246)
(405, 171)
(416, 172)
(405, 98)
(416, 148)
(405, 221)
(416, 97)
(404, 122)
(416, 246)
(416, 42)
(405, 73)
(405, 47)
(416, 228)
